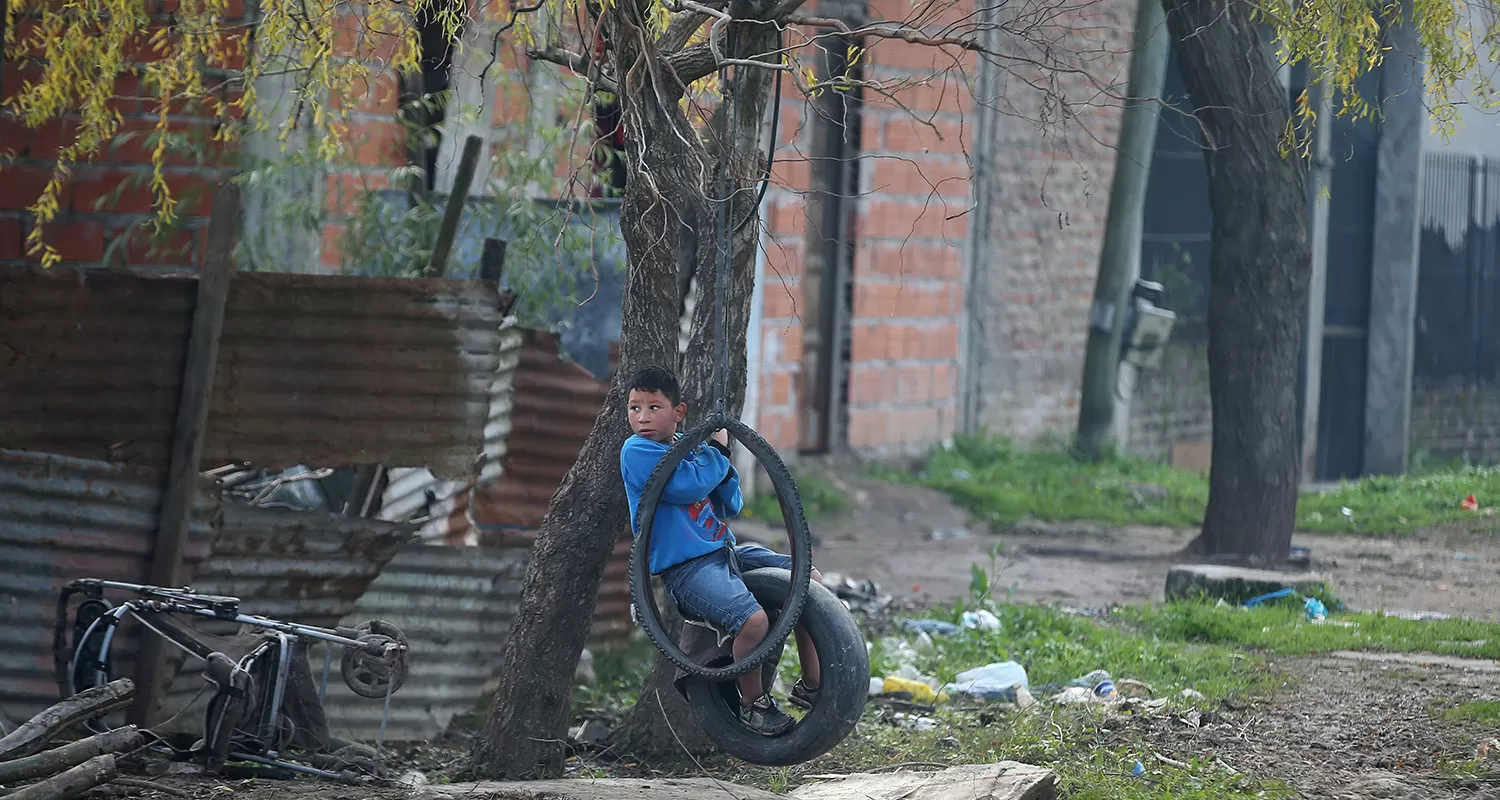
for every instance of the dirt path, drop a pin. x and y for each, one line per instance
(888, 536)
(1346, 729)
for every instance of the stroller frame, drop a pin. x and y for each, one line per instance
(372, 648)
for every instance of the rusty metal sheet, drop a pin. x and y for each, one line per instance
(299, 566)
(611, 625)
(328, 370)
(455, 604)
(415, 493)
(555, 405)
(335, 370)
(66, 518)
(91, 361)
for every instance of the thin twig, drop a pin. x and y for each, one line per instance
(934, 764)
(152, 786)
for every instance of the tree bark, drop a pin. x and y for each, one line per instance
(524, 736)
(661, 723)
(1259, 280)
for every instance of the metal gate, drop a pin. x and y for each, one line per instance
(1455, 396)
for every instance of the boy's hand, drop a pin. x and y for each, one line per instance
(719, 440)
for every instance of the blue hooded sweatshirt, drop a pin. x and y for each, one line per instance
(703, 488)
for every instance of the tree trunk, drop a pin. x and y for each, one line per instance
(528, 721)
(661, 722)
(1259, 280)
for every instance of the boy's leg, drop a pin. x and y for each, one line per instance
(753, 556)
(706, 588)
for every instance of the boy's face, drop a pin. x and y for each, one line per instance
(653, 416)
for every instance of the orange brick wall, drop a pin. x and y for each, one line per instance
(910, 234)
(1052, 159)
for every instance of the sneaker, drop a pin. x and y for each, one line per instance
(765, 717)
(803, 697)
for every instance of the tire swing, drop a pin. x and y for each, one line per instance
(706, 678)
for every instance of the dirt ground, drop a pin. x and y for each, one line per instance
(1345, 727)
(887, 536)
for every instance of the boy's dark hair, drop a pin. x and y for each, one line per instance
(656, 379)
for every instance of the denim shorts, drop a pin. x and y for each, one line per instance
(706, 588)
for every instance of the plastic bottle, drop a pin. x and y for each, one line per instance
(998, 681)
(920, 692)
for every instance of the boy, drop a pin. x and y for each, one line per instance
(694, 552)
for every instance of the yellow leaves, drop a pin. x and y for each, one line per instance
(1341, 41)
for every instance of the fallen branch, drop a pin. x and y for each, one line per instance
(51, 762)
(34, 734)
(97, 770)
(137, 783)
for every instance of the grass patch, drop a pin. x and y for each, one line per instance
(1281, 628)
(819, 500)
(1004, 483)
(1092, 759)
(1485, 713)
(1055, 647)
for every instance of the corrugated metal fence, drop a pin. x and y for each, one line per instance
(324, 370)
(455, 604)
(61, 519)
(313, 369)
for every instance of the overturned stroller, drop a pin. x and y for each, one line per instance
(264, 707)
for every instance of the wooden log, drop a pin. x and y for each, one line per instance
(34, 734)
(94, 772)
(1237, 584)
(51, 762)
(1006, 780)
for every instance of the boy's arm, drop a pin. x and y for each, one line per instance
(693, 479)
(728, 501)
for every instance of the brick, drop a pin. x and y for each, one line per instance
(15, 138)
(783, 342)
(332, 250)
(867, 427)
(112, 190)
(904, 299)
(934, 219)
(77, 241)
(781, 301)
(784, 257)
(868, 385)
(23, 185)
(915, 57)
(377, 143)
(17, 77)
(922, 177)
(177, 247)
(343, 191)
(49, 137)
(927, 93)
(778, 389)
(794, 174)
(787, 217)
(944, 134)
(12, 238)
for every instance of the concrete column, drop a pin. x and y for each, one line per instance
(1319, 181)
(1393, 267)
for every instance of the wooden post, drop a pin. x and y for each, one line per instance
(492, 261)
(456, 199)
(188, 432)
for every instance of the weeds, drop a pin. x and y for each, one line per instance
(819, 500)
(1281, 629)
(1004, 483)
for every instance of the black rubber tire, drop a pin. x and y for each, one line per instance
(841, 695)
(800, 544)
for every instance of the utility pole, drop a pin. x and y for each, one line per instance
(1119, 259)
